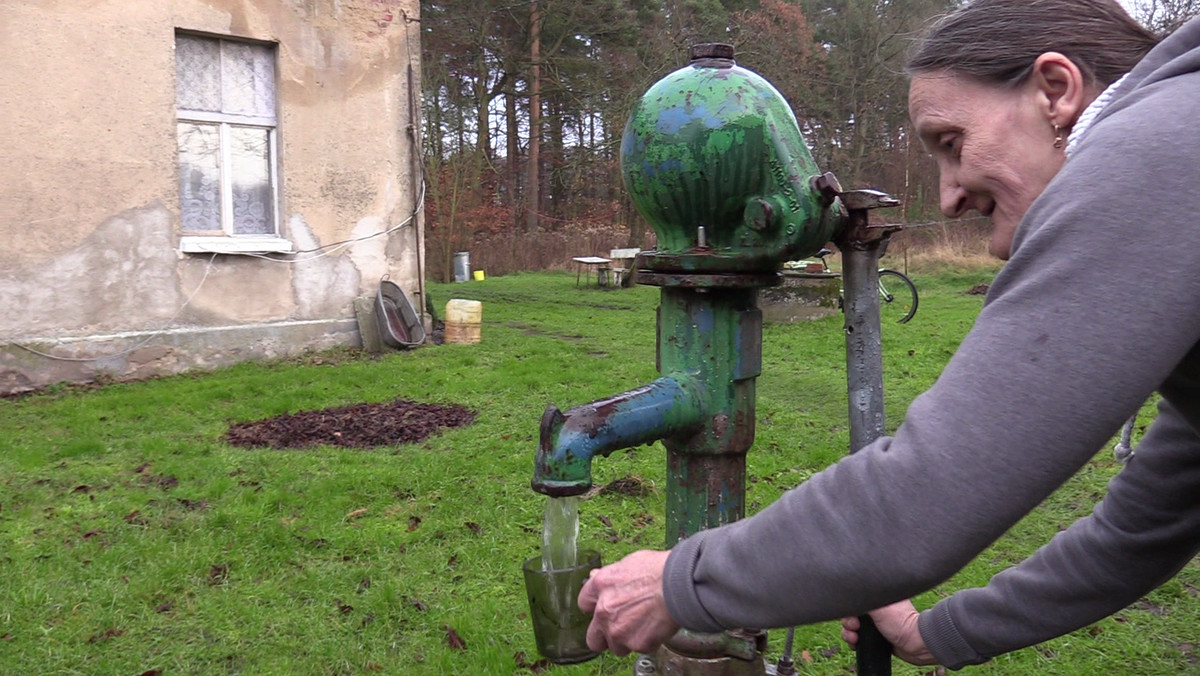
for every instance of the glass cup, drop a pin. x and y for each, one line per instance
(559, 626)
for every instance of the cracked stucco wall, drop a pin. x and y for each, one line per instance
(90, 265)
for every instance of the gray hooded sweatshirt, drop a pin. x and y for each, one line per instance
(1098, 307)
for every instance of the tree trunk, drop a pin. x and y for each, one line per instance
(512, 160)
(535, 118)
(555, 186)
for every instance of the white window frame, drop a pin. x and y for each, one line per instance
(229, 241)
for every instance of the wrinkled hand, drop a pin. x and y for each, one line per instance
(626, 598)
(898, 624)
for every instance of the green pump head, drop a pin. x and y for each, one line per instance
(713, 158)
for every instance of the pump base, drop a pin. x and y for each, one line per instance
(666, 662)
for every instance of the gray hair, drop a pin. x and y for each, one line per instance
(997, 41)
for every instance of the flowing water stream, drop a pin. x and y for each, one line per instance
(560, 533)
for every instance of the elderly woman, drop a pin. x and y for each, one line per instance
(1077, 133)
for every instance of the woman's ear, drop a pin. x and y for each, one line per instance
(1060, 89)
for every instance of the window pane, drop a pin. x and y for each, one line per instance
(197, 73)
(199, 176)
(248, 79)
(251, 177)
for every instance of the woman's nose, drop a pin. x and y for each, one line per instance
(953, 197)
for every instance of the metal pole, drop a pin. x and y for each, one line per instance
(864, 385)
(864, 346)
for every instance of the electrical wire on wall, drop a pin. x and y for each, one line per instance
(320, 252)
(323, 251)
(305, 255)
(419, 187)
(327, 249)
(147, 339)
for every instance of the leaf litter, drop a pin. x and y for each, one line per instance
(367, 425)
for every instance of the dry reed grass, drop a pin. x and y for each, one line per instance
(544, 249)
(941, 246)
(961, 245)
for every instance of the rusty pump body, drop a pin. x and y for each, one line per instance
(713, 158)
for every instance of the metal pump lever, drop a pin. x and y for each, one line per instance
(861, 246)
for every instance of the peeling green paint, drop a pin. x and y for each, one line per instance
(716, 145)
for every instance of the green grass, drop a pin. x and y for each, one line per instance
(133, 539)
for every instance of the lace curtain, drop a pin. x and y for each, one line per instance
(226, 83)
(199, 176)
(252, 194)
(221, 76)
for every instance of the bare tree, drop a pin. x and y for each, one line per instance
(1164, 16)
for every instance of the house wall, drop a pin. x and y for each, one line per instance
(90, 266)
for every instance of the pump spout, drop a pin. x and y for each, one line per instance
(667, 407)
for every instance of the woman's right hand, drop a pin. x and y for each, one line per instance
(898, 624)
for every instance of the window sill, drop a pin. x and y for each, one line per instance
(234, 245)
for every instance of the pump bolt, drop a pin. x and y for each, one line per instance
(644, 667)
(711, 50)
(828, 185)
(760, 215)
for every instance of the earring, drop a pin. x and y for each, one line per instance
(1058, 137)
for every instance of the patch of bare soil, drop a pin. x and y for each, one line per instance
(356, 426)
(627, 485)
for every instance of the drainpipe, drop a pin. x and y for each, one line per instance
(418, 187)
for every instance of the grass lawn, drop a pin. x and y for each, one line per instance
(134, 541)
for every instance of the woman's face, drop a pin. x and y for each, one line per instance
(994, 147)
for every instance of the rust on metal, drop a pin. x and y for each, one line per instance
(711, 50)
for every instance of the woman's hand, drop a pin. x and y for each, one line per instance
(626, 598)
(898, 624)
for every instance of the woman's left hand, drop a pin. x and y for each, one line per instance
(898, 624)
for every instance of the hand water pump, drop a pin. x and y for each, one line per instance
(713, 158)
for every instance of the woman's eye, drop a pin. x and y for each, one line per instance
(950, 144)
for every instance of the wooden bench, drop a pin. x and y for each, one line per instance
(622, 263)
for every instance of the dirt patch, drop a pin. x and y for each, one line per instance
(628, 485)
(1150, 607)
(356, 426)
(533, 331)
(978, 290)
